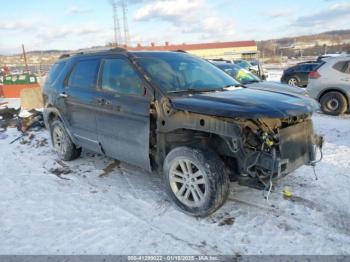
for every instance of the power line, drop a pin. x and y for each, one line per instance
(124, 5)
(117, 33)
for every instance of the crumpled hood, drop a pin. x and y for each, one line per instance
(246, 103)
(272, 86)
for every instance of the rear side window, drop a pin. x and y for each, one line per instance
(119, 76)
(291, 69)
(84, 74)
(347, 68)
(55, 70)
(343, 66)
(307, 67)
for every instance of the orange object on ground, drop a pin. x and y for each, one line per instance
(14, 91)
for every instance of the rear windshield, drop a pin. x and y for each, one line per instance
(319, 65)
(308, 67)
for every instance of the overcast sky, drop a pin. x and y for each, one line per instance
(73, 24)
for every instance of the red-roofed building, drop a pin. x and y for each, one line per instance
(226, 50)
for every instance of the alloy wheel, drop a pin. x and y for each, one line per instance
(58, 140)
(292, 82)
(188, 182)
(333, 104)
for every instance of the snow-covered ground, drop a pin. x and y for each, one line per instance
(102, 207)
(275, 75)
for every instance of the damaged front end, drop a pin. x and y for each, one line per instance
(275, 147)
(256, 149)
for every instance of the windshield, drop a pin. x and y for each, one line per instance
(177, 72)
(243, 63)
(240, 74)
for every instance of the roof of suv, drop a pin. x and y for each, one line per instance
(94, 52)
(109, 51)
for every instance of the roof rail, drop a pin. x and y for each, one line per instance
(93, 50)
(118, 49)
(179, 51)
(63, 56)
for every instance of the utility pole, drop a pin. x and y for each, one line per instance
(124, 4)
(117, 34)
(25, 59)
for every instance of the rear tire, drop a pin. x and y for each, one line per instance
(62, 143)
(196, 180)
(333, 103)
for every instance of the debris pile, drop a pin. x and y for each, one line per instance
(60, 170)
(8, 117)
(25, 121)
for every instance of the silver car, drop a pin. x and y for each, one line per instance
(330, 85)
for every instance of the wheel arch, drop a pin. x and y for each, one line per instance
(294, 76)
(223, 146)
(188, 128)
(188, 137)
(51, 114)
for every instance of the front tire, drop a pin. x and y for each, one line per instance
(62, 143)
(196, 180)
(333, 103)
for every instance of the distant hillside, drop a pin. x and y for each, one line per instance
(53, 51)
(307, 45)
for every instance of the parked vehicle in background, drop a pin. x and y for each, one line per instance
(16, 72)
(330, 85)
(250, 80)
(325, 56)
(179, 115)
(298, 75)
(243, 63)
(253, 66)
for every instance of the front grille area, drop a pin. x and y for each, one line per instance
(296, 144)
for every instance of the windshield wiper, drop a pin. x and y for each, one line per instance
(236, 85)
(195, 90)
(252, 81)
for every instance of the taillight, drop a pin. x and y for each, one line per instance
(314, 75)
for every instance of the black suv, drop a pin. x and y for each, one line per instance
(298, 75)
(181, 116)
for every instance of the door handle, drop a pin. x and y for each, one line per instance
(64, 95)
(102, 101)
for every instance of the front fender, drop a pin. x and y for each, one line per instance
(198, 122)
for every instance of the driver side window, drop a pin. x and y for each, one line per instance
(119, 76)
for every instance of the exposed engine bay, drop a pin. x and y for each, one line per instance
(276, 147)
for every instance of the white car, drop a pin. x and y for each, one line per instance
(330, 85)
